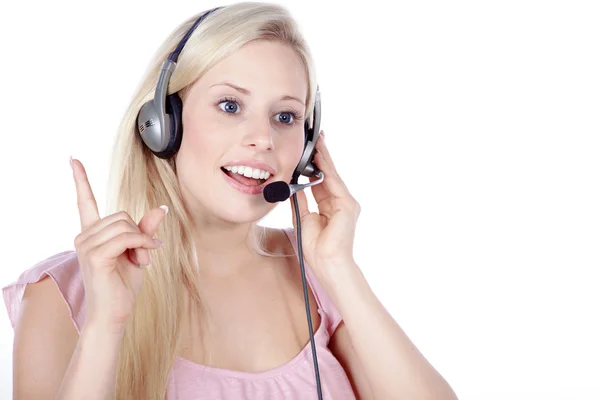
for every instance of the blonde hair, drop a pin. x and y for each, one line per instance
(141, 181)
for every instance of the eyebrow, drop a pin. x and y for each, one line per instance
(247, 92)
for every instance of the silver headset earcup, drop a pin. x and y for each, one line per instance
(306, 167)
(150, 129)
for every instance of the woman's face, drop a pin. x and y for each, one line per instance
(246, 111)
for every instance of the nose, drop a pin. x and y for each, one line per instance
(259, 135)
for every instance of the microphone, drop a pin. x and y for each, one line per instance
(281, 191)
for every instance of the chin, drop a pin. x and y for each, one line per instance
(238, 213)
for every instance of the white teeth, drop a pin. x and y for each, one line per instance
(249, 172)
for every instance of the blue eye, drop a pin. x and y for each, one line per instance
(287, 117)
(230, 106)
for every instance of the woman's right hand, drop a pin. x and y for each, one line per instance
(111, 252)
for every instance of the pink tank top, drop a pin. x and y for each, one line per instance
(190, 381)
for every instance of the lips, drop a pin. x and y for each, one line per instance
(243, 188)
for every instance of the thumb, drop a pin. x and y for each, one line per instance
(148, 225)
(150, 222)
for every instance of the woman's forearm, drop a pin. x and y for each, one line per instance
(91, 374)
(393, 365)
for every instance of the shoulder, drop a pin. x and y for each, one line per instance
(56, 279)
(44, 305)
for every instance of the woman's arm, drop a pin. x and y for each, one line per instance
(50, 360)
(369, 342)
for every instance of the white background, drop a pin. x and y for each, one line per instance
(467, 130)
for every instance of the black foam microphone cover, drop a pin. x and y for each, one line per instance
(277, 191)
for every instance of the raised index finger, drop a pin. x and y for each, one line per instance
(86, 202)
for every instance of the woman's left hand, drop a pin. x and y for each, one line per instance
(327, 236)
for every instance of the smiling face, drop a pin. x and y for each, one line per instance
(246, 111)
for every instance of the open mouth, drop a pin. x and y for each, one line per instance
(247, 176)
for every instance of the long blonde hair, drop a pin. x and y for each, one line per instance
(139, 181)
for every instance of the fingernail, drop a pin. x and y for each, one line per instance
(71, 161)
(165, 209)
(158, 242)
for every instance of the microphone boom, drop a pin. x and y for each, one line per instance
(281, 191)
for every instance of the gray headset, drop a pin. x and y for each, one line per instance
(160, 126)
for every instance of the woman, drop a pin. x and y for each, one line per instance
(178, 293)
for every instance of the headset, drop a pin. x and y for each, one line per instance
(159, 125)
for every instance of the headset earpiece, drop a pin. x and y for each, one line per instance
(174, 108)
(311, 134)
(150, 127)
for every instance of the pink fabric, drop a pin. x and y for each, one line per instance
(190, 381)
